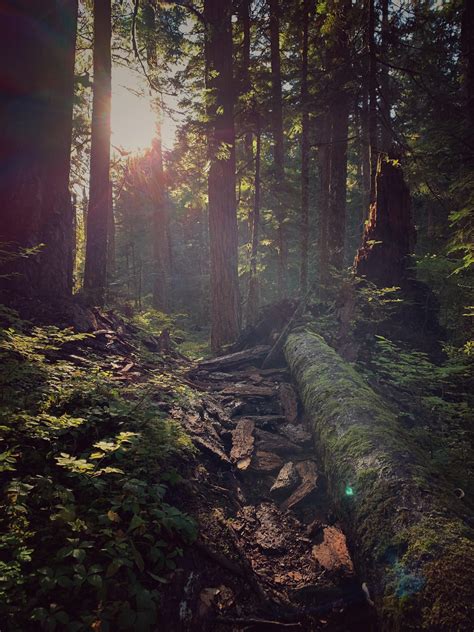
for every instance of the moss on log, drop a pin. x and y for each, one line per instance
(407, 530)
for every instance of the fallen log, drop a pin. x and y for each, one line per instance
(233, 360)
(406, 528)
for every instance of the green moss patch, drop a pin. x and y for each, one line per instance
(405, 523)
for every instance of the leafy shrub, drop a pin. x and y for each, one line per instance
(88, 533)
(435, 402)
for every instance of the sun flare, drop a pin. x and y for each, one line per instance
(133, 118)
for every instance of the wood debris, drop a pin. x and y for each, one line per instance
(234, 360)
(289, 402)
(266, 461)
(332, 554)
(296, 434)
(286, 481)
(242, 443)
(270, 442)
(309, 478)
(247, 390)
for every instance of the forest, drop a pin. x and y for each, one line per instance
(236, 315)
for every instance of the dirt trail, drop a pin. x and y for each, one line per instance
(271, 554)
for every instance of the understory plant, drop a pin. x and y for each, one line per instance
(88, 471)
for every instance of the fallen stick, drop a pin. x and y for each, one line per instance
(251, 621)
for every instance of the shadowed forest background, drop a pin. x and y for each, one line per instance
(284, 239)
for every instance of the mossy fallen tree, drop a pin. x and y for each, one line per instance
(408, 531)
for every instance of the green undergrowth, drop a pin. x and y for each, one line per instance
(188, 338)
(88, 466)
(434, 403)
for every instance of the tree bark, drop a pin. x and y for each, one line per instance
(278, 146)
(467, 47)
(385, 127)
(336, 228)
(37, 44)
(324, 164)
(244, 72)
(244, 14)
(111, 237)
(160, 239)
(252, 303)
(95, 271)
(365, 152)
(339, 126)
(389, 235)
(305, 150)
(405, 526)
(372, 95)
(225, 306)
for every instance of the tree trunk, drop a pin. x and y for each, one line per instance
(365, 152)
(95, 272)
(160, 237)
(324, 164)
(467, 46)
(385, 127)
(225, 305)
(278, 146)
(389, 235)
(372, 95)
(336, 228)
(111, 238)
(37, 44)
(305, 151)
(404, 524)
(339, 122)
(252, 304)
(244, 14)
(244, 71)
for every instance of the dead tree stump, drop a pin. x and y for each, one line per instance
(389, 236)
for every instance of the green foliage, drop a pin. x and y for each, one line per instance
(454, 289)
(193, 341)
(88, 533)
(435, 403)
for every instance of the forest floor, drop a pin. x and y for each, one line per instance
(270, 554)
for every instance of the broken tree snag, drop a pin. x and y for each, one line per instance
(389, 235)
(404, 523)
(242, 443)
